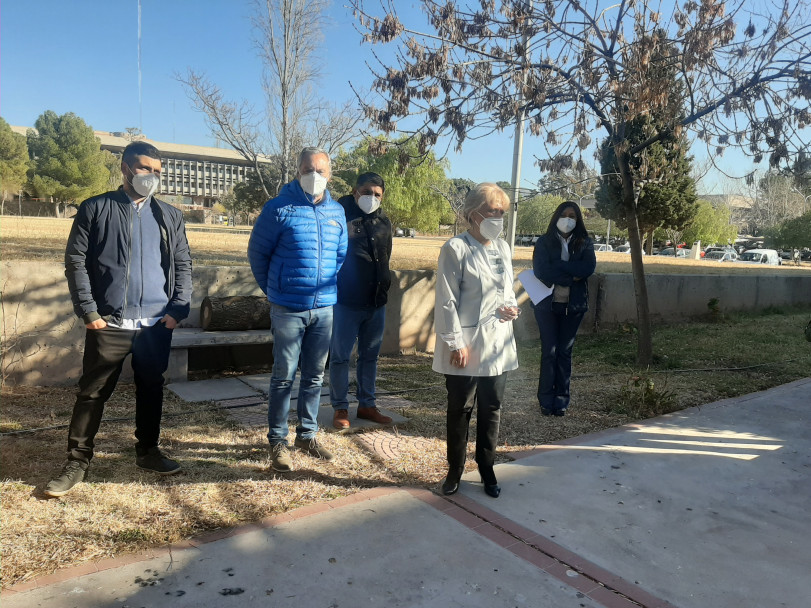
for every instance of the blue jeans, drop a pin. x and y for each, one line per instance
(558, 331)
(366, 326)
(299, 338)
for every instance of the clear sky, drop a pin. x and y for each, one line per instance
(82, 57)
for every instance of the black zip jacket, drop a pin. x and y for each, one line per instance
(97, 257)
(551, 270)
(364, 279)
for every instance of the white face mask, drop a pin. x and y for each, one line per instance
(313, 183)
(566, 224)
(145, 184)
(491, 227)
(368, 203)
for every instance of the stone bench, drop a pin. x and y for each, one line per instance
(186, 338)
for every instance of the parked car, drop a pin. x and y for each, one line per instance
(625, 249)
(602, 247)
(679, 253)
(760, 256)
(720, 255)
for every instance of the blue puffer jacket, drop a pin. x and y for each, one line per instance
(296, 249)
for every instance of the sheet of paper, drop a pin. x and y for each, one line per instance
(536, 290)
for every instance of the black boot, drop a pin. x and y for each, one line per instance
(491, 487)
(451, 483)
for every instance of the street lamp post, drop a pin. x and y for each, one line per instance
(805, 199)
(518, 154)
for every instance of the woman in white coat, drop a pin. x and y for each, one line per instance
(475, 347)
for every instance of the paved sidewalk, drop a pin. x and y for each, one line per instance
(708, 507)
(244, 399)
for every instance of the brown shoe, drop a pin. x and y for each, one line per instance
(372, 413)
(340, 419)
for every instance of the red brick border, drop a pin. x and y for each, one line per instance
(590, 579)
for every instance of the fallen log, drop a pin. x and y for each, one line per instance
(234, 313)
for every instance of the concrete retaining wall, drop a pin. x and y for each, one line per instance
(674, 297)
(43, 340)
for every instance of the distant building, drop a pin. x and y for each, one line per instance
(195, 175)
(588, 202)
(733, 201)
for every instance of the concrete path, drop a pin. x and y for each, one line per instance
(708, 507)
(244, 398)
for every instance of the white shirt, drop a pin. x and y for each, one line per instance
(564, 250)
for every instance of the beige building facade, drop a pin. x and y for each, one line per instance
(203, 174)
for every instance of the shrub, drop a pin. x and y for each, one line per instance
(640, 398)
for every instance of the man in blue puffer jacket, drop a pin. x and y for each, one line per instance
(296, 249)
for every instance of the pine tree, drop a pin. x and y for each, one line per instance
(67, 161)
(666, 192)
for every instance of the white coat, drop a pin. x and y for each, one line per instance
(468, 294)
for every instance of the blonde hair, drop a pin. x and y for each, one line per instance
(483, 193)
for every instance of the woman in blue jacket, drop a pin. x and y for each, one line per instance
(563, 259)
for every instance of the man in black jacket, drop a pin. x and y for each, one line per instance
(128, 267)
(360, 314)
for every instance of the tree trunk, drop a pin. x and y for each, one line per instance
(644, 345)
(649, 243)
(235, 313)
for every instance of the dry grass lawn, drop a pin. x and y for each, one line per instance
(44, 239)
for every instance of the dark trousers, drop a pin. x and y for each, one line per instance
(486, 393)
(104, 354)
(558, 331)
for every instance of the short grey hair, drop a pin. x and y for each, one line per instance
(312, 151)
(481, 194)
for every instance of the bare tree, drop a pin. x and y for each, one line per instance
(237, 124)
(335, 127)
(776, 200)
(287, 36)
(573, 67)
(454, 191)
